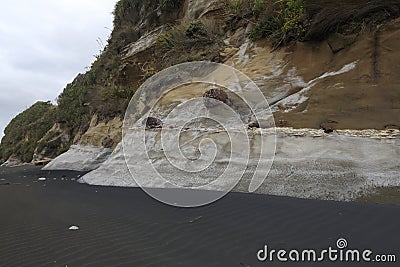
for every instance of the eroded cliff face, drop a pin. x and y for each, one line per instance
(365, 96)
(101, 93)
(347, 82)
(344, 80)
(308, 85)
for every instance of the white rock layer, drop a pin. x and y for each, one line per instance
(113, 172)
(80, 158)
(339, 166)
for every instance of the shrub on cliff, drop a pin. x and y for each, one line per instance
(347, 16)
(281, 22)
(284, 21)
(72, 107)
(190, 40)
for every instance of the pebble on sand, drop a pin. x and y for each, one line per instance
(73, 228)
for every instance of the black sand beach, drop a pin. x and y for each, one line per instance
(125, 227)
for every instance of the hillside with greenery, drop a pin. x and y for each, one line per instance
(106, 88)
(25, 130)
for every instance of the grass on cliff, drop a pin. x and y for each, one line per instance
(132, 19)
(101, 90)
(72, 108)
(283, 21)
(347, 16)
(279, 21)
(25, 130)
(105, 88)
(194, 40)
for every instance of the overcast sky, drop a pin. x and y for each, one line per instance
(44, 44)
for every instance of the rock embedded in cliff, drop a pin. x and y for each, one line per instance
(329, 126)
(107, 142)
(254, 124)
(215, 94)
(392, 127)
(328, 130)
(282, 123)
(152, 122)
(260, 124)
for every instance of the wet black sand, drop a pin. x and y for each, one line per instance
(125, 227)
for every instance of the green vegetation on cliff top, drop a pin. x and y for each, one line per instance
(284, 21)
(25, 130)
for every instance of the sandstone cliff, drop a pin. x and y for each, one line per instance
(319, 63)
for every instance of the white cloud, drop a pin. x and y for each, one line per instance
(44, 44)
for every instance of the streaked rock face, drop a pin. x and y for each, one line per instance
(56, 138)
(199, 8)
(113, 172)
